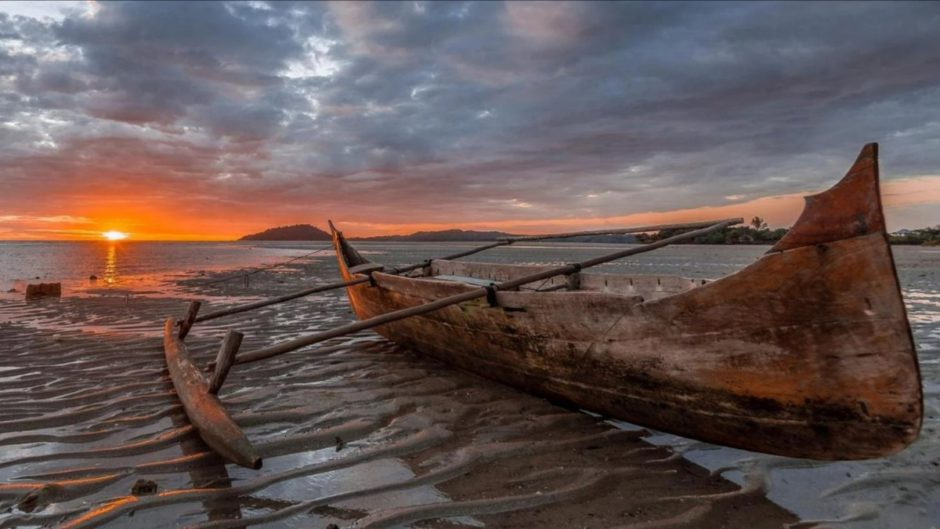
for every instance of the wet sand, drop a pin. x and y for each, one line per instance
(357, 433)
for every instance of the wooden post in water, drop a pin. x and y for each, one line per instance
(225, 360)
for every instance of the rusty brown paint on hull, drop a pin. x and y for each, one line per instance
(805, 353)
(205, 411)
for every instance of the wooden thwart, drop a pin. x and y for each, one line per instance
(303, 341)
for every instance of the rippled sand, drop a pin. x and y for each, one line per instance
(86, 411)
(357, 433)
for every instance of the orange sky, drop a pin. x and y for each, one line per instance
(146, 220)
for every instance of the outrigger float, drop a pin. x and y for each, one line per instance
(805, 353)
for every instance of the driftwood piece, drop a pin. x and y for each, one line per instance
(225, 360)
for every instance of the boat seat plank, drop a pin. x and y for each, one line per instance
(476, 281)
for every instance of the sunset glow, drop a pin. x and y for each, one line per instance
(521, 117)
(114, 235)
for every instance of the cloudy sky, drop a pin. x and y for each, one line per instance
(210, 120)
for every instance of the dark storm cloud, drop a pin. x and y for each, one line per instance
(158, 62)
(470, 110)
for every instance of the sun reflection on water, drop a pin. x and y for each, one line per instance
(110, 266)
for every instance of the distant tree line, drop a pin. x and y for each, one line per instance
(923, 236)
(755, 233)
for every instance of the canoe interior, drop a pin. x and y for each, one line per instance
(647, 287)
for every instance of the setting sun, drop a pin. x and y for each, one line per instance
(114, 235)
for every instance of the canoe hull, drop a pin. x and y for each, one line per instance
(806, 352)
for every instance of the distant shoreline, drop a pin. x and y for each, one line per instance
(927, 244)
(743, 235)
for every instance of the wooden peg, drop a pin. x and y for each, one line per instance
(187, 323)
(225, 360)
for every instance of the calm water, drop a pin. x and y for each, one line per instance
(902, 491)
(127, 265)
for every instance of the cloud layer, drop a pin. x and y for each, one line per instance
(217, 118)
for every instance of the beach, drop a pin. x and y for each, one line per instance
(360, 433)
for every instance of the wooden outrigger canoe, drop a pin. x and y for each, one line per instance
(202, 406)
(806, 352)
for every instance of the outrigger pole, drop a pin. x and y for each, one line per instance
(199, 395)
(192, 318)
(488, 292)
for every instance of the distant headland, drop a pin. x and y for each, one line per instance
(307, 232)
(442, 236)
(755, 233)
(297, 232)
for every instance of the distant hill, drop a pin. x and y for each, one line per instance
(606, 239)
(306, 232)
(474, 236)
(442, 236)
(297, 232)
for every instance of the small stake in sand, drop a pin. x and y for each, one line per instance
(187, 323)
(225, 360)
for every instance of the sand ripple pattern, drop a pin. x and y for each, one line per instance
(357, 433)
